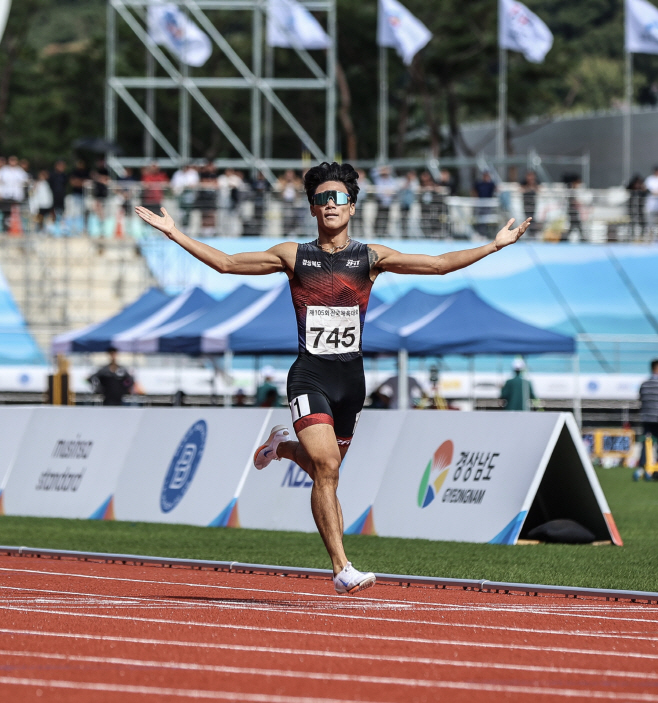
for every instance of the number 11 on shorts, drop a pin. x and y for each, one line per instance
(299, 407)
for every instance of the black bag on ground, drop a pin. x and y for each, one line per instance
(564, 531)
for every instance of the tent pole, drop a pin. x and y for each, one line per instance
(403, 380)
(228, 361)
(471, 373)
(577, 407)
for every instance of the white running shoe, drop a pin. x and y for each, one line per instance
(349, 580)
(266, 452)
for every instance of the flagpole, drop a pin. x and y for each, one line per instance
(502, 109)
(383, 105)
(628, 106)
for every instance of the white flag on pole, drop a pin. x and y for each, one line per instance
(398, 28)
(5, 6)
(291, 26)
(519, 29)
(641, 27)
(170, 27)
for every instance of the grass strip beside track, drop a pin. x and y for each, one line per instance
(632, 567)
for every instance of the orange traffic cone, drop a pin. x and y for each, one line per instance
(119, 231)
(15, 224)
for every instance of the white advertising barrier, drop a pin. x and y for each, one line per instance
(279, 497)
(488, 477)
(187, 465)
(13, 423)
(68, 462)
(363, 469)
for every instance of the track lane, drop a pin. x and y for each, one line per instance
(386, 645)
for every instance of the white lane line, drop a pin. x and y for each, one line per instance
(233, 605)
(324, 596)
(159, 691)
(459, 685)
(397, 621)
(379, 638)
(643, 676)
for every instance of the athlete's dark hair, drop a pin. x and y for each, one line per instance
(344, 173)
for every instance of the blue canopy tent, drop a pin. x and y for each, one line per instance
(183, 334)
(99, 336)
(458, 323)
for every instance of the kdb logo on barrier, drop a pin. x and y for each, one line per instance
(183, 466)
(435, 474)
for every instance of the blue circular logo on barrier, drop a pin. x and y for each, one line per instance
(183, 466)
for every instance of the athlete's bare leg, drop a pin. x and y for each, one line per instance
(318, 453)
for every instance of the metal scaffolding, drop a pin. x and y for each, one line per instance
(259, 79)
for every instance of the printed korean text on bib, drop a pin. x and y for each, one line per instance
(332, 330)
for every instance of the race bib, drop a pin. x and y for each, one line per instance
(332, 330)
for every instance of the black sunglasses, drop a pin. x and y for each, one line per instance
(337, 196)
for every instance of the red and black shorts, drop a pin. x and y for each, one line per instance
(327, 392)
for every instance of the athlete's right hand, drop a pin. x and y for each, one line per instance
(165, 223)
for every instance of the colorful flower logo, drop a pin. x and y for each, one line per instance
(435, 474)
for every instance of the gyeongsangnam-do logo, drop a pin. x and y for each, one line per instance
(183, 466)
(435, 474)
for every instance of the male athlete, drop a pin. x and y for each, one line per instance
(330, 281)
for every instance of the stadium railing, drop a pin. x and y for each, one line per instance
(560, 213)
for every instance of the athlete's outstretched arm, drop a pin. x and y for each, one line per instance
(253, 263)
(384, 259)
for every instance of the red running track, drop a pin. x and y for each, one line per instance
(79, 631)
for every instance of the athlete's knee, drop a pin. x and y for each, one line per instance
(326, 470)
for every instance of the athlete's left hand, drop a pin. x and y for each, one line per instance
(507, 235)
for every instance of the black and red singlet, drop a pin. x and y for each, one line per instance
(330, 292)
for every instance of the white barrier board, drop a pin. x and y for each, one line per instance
(68, 462)
(186, 465)
(473, 477)
(365, 463)
(13, 423)
(278, 497)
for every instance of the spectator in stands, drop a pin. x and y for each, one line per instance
(59, 181)
(649, 408)
(485, 187)
(41, 199)
(529, 190)
(573, 183)
(407, 194)
(385, 193)
(485, 216)
(289, 186)
(154, 183)
(431, 205)
(651, 184)
(447, 181)
(127, 189)
(13, 184)
(517, 391)
(357, 224)
(206, 199)
(100, 177)
(184, 183)
(637, 194)
(112, 381)
(267, 395)
(260, 187)
(78, 178)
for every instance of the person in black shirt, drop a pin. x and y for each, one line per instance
(59, 181)
(112, 381)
